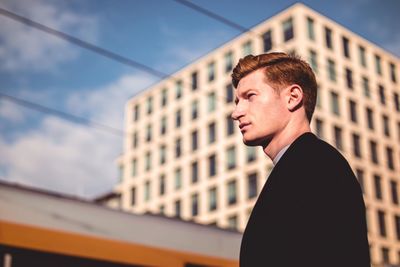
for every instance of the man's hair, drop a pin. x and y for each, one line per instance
(280, 70)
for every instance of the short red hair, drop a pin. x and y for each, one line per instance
(281, 69)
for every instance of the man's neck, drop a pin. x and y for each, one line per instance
(285, 137)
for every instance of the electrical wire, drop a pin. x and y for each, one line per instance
(64, 115)
(213, 15)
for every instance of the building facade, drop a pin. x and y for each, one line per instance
(184, 155)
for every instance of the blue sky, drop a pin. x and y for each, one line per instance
(48, 152)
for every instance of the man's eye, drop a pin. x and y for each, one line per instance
(249, 96)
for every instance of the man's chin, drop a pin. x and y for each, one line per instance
(251, 142)
(256, 142)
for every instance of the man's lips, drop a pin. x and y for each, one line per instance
(243, 125)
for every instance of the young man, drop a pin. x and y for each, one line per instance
(310, 211)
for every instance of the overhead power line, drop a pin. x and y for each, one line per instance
(213, 15)
(94, 48)
(63, 115)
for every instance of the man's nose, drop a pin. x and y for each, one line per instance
(237, 112)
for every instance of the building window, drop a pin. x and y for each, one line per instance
(393, 72)
(363, 60)
(134, 167)
(378, 65)
(163, 154)
(229, 93)
(133, 196)
(162, 209)
(163, 128)
(212, 197)
(231, 158)
(232, 222)
(178, 208)
(328, 38)
(149, 105)
(394, 192)
(178, 178)
(313, 61)
(267, 40)
(148, 132)
(356, 145)
(195, 109)
(398, 130)
(288, 32)
(386, 128)
(230, 126)
(331, 70)
(378, 186)
(310, 28)
(247, 49)
(164, 97)
(212, 165)
(335, 103)
(147, 166)
(367, 91)
(121, 172)
(211, 71)
(338, 138)
(370, 118)
(135, 139)
(252, 185)
(389, 158)
(382, 94)
(396, 101)
(397, 223)
(178, 89)
(194, 80)
(228, 62)
(382, 223)
(162, 185)
(360, 178)
(194, 140)
(251, 153)
(353, 111)
(147, 192)
(374, 152)
(195, 205)
(136, 112)
(211, 102)
(385, 255)
(211, 133)
(195, 172)
(319, 126)
(349, 78)
(178, 118)
(232, 192)
(318, 101)
(178, 147)
(346, 50)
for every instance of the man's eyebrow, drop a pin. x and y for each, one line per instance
(241, 93)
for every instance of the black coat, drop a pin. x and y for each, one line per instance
(310, 212)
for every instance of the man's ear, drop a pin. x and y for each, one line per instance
(294, 97)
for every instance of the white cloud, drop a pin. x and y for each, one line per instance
(23, 47)
(11, 112)
(107, 105)
(71, 158)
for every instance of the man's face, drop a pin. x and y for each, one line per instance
(260, 110)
